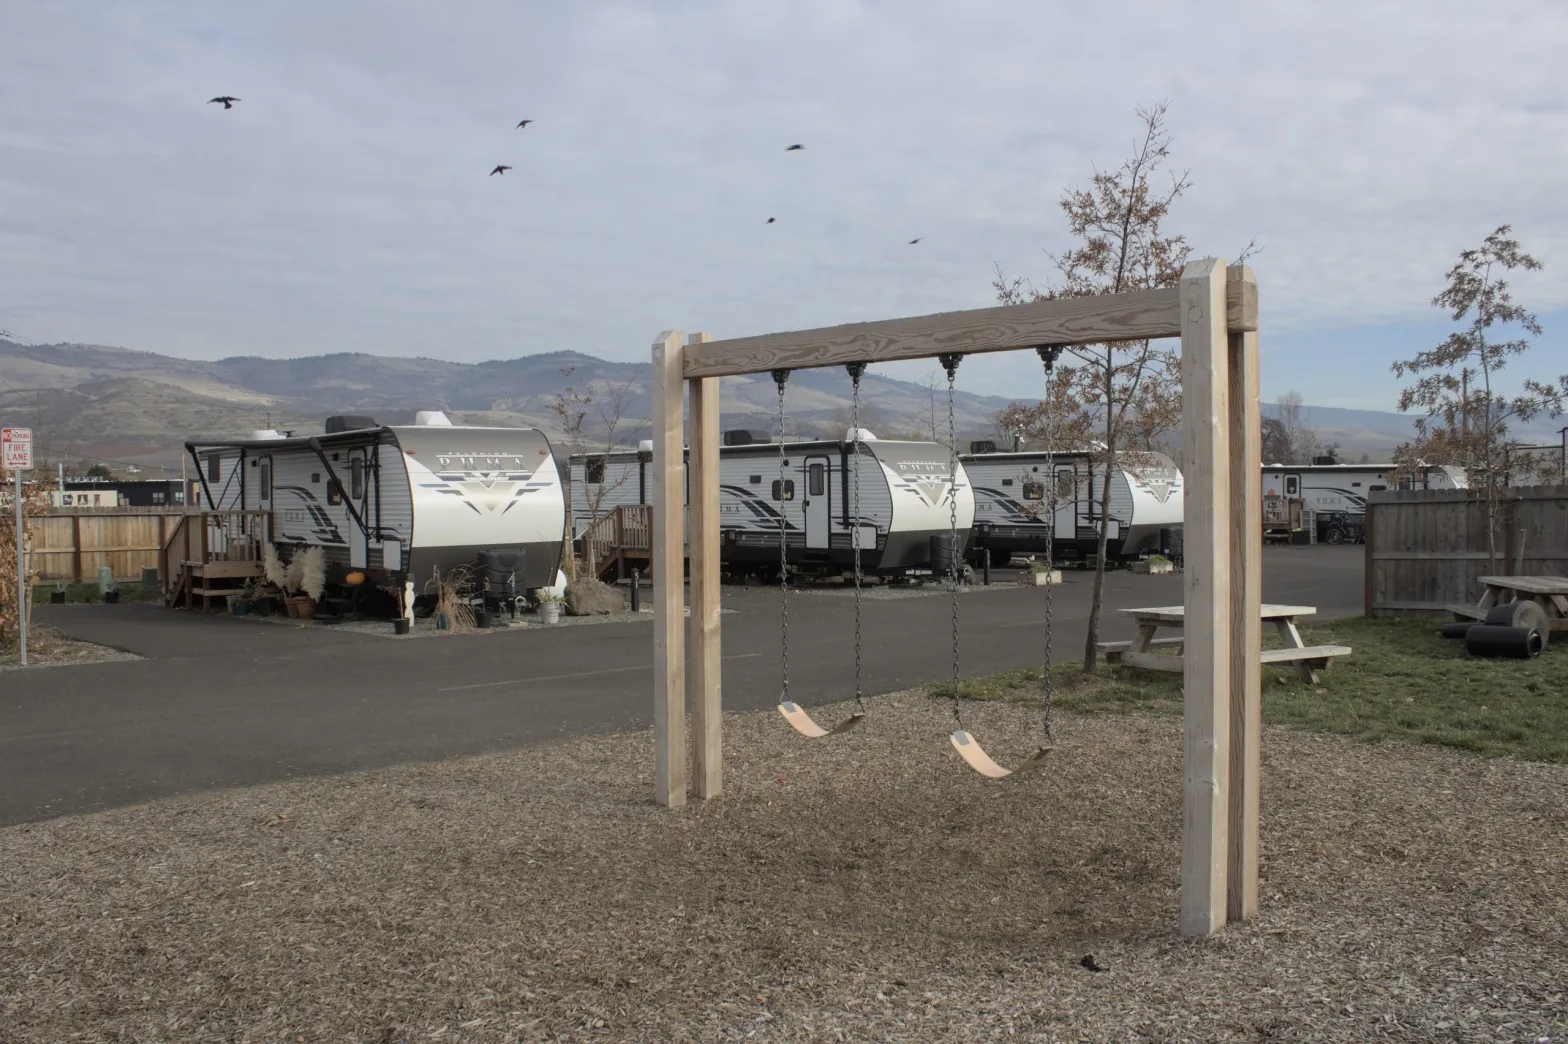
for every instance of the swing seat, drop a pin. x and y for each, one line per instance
(981, 762)
(801, 722)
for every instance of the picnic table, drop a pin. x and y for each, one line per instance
(1308, 659)
(1549, 592)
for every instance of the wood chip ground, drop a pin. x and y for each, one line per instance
(855, 889)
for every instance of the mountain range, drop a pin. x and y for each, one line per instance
(121, 405)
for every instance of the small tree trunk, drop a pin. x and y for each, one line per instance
(1097, 601)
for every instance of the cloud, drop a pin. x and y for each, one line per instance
(344, 203)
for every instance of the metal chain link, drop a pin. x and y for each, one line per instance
(1048, 356)
(950, 364)
(855, 371)
(779, 378)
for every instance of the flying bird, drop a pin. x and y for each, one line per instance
(794, 148)
(917, 239)
(521, 124)
(771, 220)
(227, 100)
(500, 168)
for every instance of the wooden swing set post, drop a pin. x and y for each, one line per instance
(1214, 310)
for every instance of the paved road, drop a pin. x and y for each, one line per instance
(222, 702)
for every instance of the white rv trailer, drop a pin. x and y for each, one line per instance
(397, 502)
(906, 496)
(1327, 488)
(1012, 513)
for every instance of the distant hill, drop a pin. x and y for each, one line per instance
(135, 406)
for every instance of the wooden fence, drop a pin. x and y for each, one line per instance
(73, 546)
(1425, 548)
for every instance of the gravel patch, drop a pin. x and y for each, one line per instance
(50, 647)
(860, 888)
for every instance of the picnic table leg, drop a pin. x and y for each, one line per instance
(1291, 639)
(1142, 643)
(1488, 599)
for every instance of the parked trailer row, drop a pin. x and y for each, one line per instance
(891, 497)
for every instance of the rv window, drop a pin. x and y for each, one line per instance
(266, 479)
(1355, 485)
(1007, 482)
(179, 496)
(214, 468)
(788, 489)
(356, 478)
(334, 492)
(1292, 486)
(817, 480)
(1376, 489)
(593, 470)
(1065, 486)
(158, 498)
(756, 480)
(1034, 490)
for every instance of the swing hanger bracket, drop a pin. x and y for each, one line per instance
(950, 361)
(856, 370)
(1048, 354)
(780, 378)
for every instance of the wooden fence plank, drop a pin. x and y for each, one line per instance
(1427, 548)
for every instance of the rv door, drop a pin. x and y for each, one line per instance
(817, 505)
(264, 482)
(357, 494)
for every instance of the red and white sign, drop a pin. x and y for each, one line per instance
(16, 449)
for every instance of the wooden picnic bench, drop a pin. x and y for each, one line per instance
(1308, 659)
(1549, 592)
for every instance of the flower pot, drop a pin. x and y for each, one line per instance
(238, 608)
(290, 607)
(481, 618)
(400, 625)
(304, 607)
(442, 623)
(550, 612)
(111, 597)
(56, 597)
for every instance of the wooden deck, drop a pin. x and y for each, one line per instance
(211, 554)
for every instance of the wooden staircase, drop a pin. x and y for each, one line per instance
(621, 541)
(211, 554)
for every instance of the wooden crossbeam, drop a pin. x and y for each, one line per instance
(1132, 316)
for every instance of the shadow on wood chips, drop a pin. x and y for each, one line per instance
(861, 888)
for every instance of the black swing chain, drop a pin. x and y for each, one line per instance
(856, 369)
(779, 378)
(950, 364)
(1048, 355)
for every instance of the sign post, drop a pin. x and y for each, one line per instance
(16, 455)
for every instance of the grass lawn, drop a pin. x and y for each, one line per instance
(1402, 682)
(130, 591)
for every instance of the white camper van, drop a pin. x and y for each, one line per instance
(906, 495)
(396, 502)
(1327, 488)
(1011, 509)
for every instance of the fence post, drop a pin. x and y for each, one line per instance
(76, 547)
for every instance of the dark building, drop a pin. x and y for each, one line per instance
(153, 493)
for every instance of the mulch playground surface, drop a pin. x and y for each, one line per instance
(861, 888)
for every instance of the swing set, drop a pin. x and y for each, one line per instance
(1214, 312)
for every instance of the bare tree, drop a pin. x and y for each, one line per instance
(1301, 439)
(1127, 392)
(591, 423)
(1467, 419)
(1276, 442)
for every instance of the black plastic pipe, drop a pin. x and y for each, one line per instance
(1518, 643)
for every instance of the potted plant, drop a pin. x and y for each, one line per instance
(549, 607)
(1037, 575)
(304, 582)
(239, 603)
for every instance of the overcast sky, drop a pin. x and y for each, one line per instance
(344, 203)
